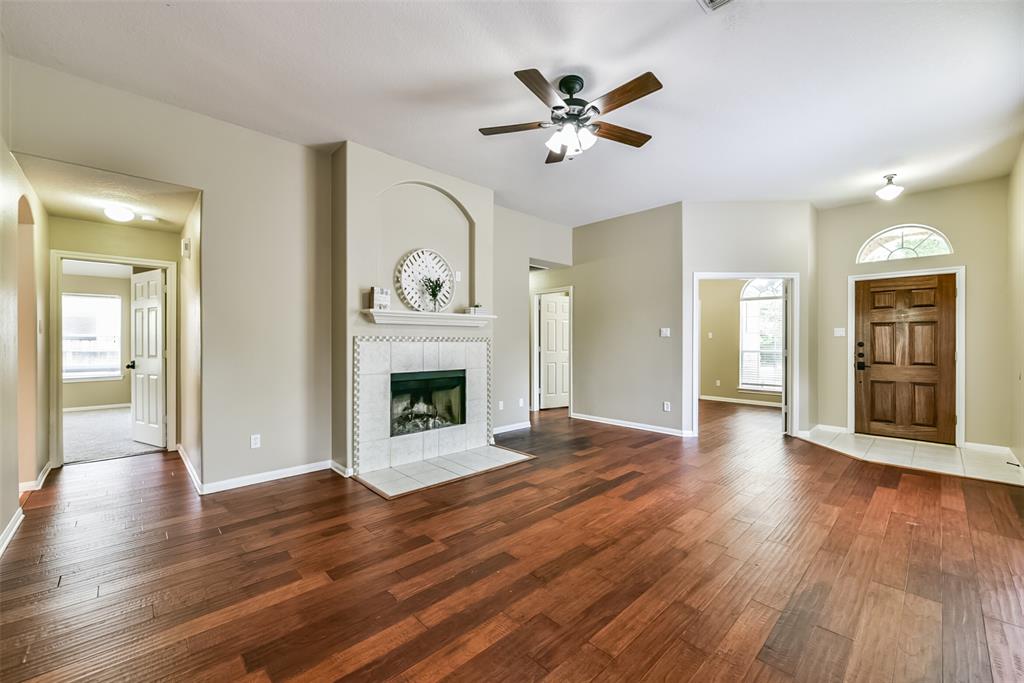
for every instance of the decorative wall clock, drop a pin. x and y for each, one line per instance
(411, 274)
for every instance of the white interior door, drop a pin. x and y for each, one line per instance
(785, 356)
(147, 364)
(554, 350)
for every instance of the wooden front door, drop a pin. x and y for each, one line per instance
(905, 356)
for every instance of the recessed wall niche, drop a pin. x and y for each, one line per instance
(415, 215)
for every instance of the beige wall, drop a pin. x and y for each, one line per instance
(720, 355)
(518, 239)
(190, 371)
(1016, 303)
(71, 234)
(383, 208)
(266, 255)
(974, 218)
(754, 237)
(21, 459)
(107, 392)
(626, 285)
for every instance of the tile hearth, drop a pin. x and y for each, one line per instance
(415, 476)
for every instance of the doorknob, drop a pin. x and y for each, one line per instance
(861, 365)
(130, 366)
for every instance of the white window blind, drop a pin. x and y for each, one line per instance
(762, 335)
(91, 344)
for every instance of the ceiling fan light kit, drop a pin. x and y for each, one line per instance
(574, 118)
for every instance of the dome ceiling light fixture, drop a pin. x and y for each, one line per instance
(890, 190)
(121, 214)
(573, 118)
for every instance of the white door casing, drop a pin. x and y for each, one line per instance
(554, 350)
(147, 354)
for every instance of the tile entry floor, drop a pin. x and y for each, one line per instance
(402, 479)
(989, 465)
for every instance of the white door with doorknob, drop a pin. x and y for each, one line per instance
(147, 364)
(554, 350)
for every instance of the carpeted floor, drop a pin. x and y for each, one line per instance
(100, 434)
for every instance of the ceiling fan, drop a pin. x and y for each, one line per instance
(573, 118)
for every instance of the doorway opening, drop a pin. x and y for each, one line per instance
(124, 307)
(113, 325)
(744, 346)
(551, 343)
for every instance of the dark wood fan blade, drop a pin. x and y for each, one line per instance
(609, 131)
(555, 157)
(539, 86)
(514, 128)
(642, 85)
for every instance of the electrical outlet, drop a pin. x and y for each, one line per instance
(667, 407)
(522, 402)
(254, 441)
(501, 405)
(458, 276)
(666, 332)
(711, 335)
(718, 382)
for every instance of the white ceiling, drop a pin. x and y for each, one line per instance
(762, 100)
(74, 191)
(96, 269)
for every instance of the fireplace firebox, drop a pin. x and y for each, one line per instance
(421, 401)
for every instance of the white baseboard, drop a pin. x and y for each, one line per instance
(263, 477)
(104, 407)
(192, 474)
(630, 425)
(341, 469)
(745, 401)
(37, 484)
(989, 448)
(512, 427)
(10, 529)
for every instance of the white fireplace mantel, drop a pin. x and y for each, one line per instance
(427, 318)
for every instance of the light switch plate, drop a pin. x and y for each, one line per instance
(501, 405)
(667, 407)
(458, 276)
(254, 441)
(838, 331)
(666, 332)
(521, 403)
(711, 335)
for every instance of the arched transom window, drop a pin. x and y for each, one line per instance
(904, 241)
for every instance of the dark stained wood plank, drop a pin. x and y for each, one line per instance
(919, 655)
(614, 555)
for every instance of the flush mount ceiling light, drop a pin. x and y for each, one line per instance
(890, 190)
(575, 119)
(121, 214)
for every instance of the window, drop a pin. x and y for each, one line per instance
(91, 347)
(762, 334)
(904, 241)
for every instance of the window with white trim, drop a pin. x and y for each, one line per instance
(902, 242)
(762, 335)
(91, 343)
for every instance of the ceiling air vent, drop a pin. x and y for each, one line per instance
(710, 6)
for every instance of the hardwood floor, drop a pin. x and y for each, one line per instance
(616, 555)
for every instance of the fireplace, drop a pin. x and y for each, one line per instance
(421, 401)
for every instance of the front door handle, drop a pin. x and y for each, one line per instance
(861, 365)
(130, 366)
